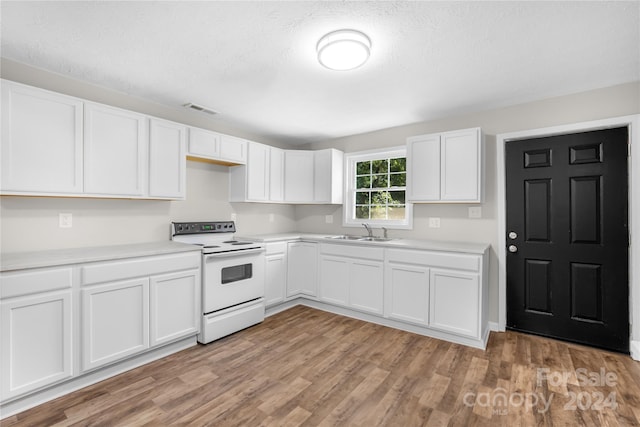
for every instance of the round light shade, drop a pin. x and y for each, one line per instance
(343, 50)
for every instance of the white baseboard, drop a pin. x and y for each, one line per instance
(634, 350)
(495, 326)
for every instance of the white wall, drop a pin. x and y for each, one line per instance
(31, 223)
(615, 101)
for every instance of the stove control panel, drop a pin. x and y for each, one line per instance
(202, 227)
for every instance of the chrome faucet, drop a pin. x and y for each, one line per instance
(384, 230)
(368, 228)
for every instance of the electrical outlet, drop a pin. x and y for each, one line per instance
(65, 220)
(234, 216)
(328, 219)
(475, 212)
(434, 222)
(271, 217)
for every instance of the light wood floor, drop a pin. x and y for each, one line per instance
(307, 367)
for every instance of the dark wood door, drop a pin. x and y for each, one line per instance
(568, 238)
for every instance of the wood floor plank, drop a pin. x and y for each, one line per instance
(306, 367)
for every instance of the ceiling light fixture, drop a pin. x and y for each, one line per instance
(343, 50)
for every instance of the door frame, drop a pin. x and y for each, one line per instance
(633, 123)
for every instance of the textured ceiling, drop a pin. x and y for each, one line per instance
(254, 62)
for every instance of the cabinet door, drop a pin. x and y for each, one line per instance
(455, 302)
(276, 278)
(302, 268)
(322, 176)
(366, 286)
(334, 279)
(258, 172)
(276, 175)
(407, 293)
(36, 342)
(167, 160)
(203, 144)
(423, 168)
(115, 151)
(41, 141)
(115, 321)
(298, 176)
(175, 306)
(328, 176)
(233, 149)
(461, 166)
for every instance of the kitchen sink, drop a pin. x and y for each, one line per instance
(345, 237)
(359, 238)
(374, 239)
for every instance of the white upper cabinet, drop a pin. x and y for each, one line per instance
(461, 166)
(258, 172)
(298, 176)
(226, 149)
(41, 141)
(251, 182)
(313, 176)
(167, 159)
(276, 175)
(203, 144)
(328, 176)
(115, 151)
(423, 168)
(445, 167)
(233, 150)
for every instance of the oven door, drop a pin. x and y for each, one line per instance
(231, 278)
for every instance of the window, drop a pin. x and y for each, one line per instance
(376, 184)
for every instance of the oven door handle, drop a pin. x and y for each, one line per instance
(238, 253)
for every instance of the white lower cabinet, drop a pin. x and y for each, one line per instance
(131, 305)
(59, 323)
(175, 306)
(455, 298)
(302, 268)
(276, 273)
(407, 292)
(36, 342)
(352, 276)
(334, 279)
(366, 287)
(115, 321)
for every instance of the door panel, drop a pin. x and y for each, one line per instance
(567, 268)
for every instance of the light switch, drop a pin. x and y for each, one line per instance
(65, 220)
(271, 217)
(434, 222)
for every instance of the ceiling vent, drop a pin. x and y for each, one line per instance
(200, 108)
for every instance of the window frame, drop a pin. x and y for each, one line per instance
(349, 205)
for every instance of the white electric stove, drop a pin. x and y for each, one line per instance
(232, 277)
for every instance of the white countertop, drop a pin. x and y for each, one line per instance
(432, 245)
(24, 260)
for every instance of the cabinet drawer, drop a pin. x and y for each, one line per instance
(365, 252)
(276, 248)
(435, 259)
(138, 267)
(34, 281)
